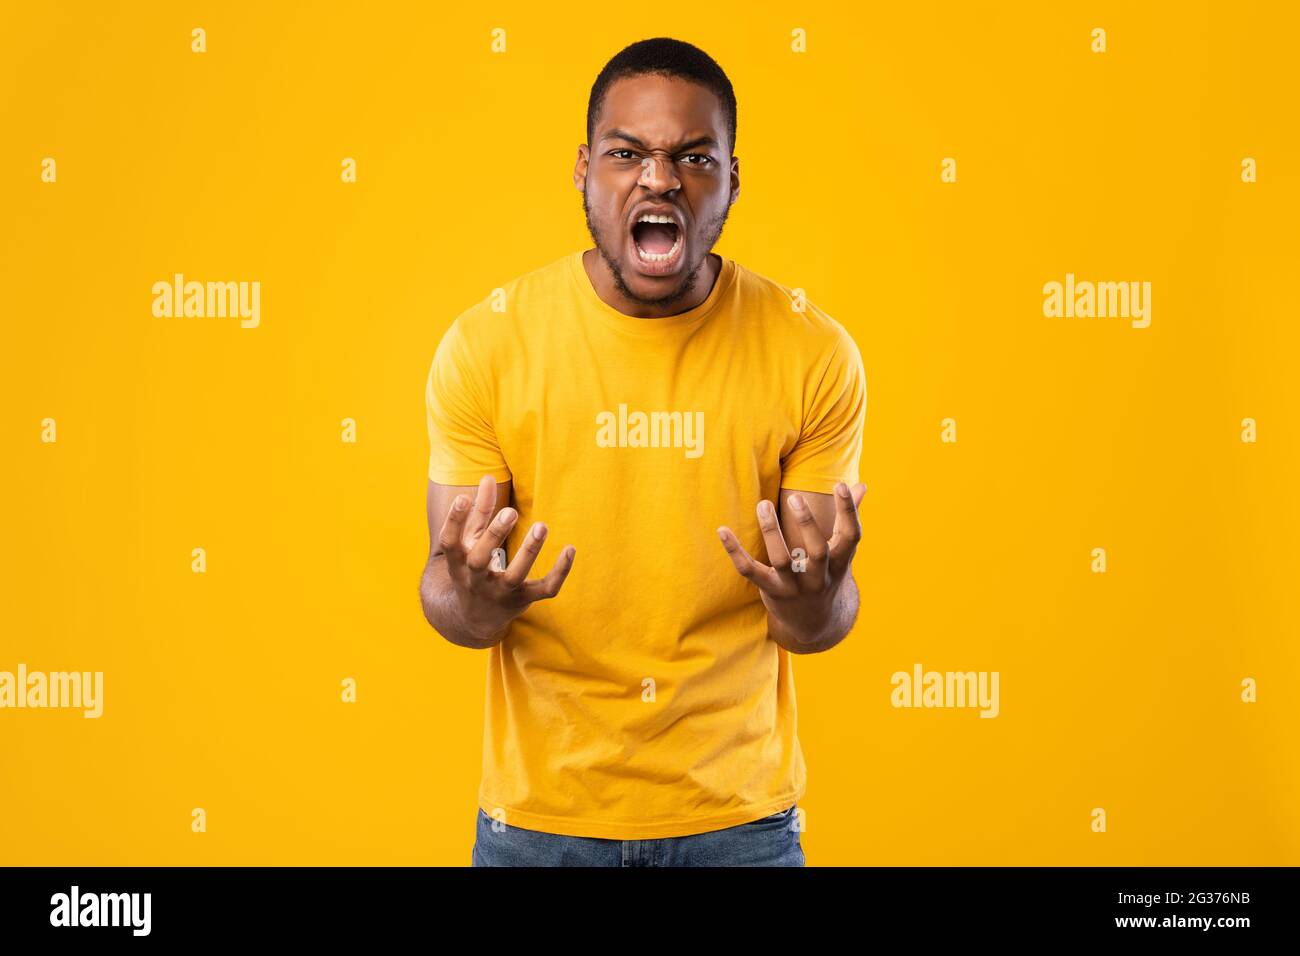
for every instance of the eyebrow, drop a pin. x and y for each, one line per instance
(689, 144)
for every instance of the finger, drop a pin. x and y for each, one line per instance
(484, 503)
(753, 571)
(814, 542)
(550, 585)
(777, 552)
(848, 529)
(452, 535)
(493, 537)
(516, 574)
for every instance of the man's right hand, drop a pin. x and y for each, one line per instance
(486, 600)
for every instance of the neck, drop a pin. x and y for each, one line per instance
(602, 280)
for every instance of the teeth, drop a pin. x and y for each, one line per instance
(663, 256)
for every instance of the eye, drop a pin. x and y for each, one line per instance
(707, 159)
(612, 152)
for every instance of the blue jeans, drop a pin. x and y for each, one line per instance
(771, 841)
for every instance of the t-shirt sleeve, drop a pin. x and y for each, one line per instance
(830, 441)
(463, 445)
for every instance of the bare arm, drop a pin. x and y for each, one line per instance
(811, 606)
(436, 593)
(844, 610)
(464, 599)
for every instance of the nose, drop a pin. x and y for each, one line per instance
(658, 174)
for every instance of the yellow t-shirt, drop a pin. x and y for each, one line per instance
(646, 700)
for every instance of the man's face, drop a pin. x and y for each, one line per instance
(660, 145)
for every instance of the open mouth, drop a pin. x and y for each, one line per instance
(658, 240)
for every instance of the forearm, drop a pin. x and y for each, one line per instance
(820, 635)
(442, 611)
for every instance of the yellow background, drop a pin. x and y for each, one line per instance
(222, 690)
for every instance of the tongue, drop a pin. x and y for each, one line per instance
(655, 237)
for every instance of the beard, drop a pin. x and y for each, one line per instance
(713, 229)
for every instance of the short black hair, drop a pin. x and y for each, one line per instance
(664, 56)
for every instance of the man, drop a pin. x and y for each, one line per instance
(648, 400)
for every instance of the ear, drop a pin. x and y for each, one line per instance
(580, 168)
(735, 178)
